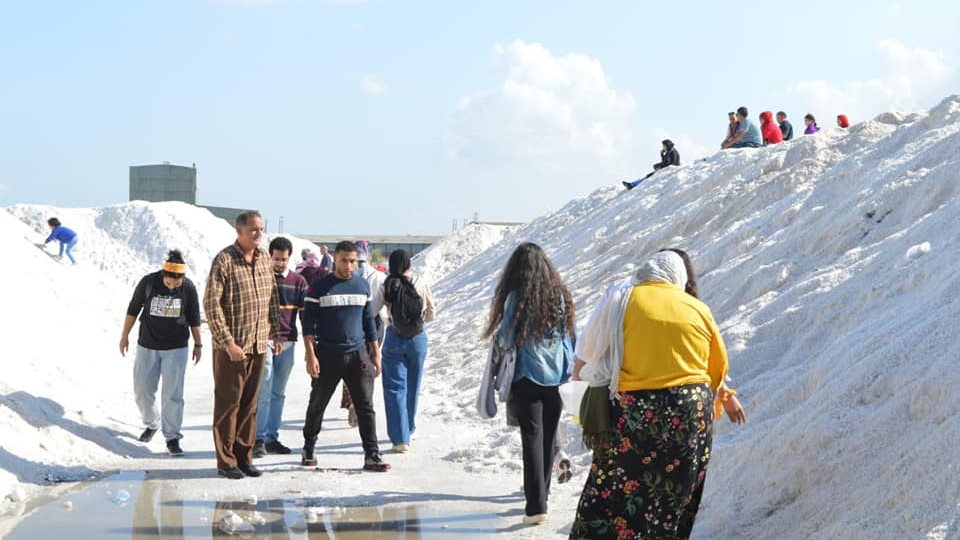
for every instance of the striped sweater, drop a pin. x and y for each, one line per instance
(338, 314)
(292, 289)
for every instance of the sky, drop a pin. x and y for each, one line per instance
(394, 117)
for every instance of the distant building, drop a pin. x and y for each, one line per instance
(165, 182)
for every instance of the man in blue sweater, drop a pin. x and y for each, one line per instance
(341, 342)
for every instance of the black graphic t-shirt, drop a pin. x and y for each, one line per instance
(167, 315)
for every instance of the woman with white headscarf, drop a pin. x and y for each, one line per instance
(658, 352)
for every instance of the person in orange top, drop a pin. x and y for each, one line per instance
(673, 363)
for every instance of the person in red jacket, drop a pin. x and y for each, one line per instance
(770, 129)
(843, 121)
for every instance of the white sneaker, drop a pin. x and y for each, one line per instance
(537, 519)
(400, 448)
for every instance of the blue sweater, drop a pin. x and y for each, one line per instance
(61, 233)
(338, 315)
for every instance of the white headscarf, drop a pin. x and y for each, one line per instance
(665, 266)
(601, 344)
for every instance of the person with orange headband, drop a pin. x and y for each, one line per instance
(169, 310)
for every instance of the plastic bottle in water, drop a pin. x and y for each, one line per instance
(121, 498)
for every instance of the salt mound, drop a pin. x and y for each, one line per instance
(830, 262)
(457, 250)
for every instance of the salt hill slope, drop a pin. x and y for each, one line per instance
(457, 250)
(831, 263)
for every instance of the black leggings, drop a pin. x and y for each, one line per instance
(538, 410)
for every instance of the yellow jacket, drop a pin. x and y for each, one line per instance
(669, 339)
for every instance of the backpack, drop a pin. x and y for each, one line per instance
(406, 306)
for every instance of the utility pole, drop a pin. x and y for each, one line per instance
(281, 225)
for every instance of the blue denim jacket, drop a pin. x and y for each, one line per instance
(548, 362)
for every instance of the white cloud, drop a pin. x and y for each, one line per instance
(557, 110)
(372, 85)
(911, 77)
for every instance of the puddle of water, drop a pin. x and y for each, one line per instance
(128, 505)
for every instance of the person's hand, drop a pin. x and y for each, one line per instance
(197, 352)
(734, 410)
(235, 353)
(277, 347)
(375, 357)
(124, 345)
(313, 366)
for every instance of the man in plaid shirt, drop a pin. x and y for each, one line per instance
(243, 312)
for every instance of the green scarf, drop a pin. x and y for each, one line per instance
(595, 417)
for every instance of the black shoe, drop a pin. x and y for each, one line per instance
(307, 459)
(147, 435)
(232, 473)
(373, 462)
(275, 447)
(173, 448)
(627, 185)
(565, 473)
(258, 449)
(249, 470)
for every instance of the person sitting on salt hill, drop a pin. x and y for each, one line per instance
(748, 134)
(66, 237)
(786, 128)
(770, 129)
(811, 122)
(668, 156)
(731, 129)
(842, 121)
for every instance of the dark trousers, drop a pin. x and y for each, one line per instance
(538, 410)
(357, 372)
(235, 389)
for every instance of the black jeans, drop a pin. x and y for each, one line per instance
(357, 372)
(538, 409)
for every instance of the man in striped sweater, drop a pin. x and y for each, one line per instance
(291, 288)
(341, 342)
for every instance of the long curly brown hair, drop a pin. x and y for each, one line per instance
(543, 303)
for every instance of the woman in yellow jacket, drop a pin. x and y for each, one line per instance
(648, 481)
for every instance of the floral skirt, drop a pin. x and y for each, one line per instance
(648, 482)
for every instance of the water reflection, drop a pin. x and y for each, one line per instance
(131, 505)
(152, 518)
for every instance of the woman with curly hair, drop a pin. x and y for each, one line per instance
(533, 313)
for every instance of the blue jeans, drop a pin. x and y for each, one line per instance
(403, 360)
(276, 373)
(746, 144)
(148, 368)
(69, 249)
